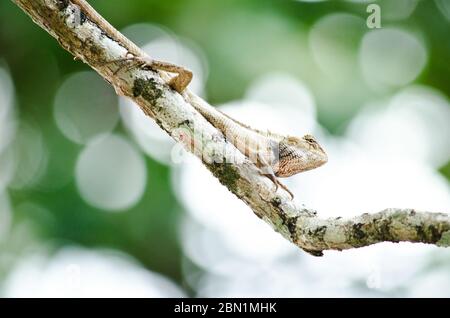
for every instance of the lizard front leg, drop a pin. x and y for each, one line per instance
(277, 183)
(267, 171)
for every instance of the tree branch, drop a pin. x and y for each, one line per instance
(174, 114)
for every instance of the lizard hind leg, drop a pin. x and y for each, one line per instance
(278, 184)
(134, 62)
(183, 76)
(179, 82)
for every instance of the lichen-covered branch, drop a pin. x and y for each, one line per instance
(174, 114)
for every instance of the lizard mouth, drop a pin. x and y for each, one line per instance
(293, 160)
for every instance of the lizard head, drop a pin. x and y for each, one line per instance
(298, 155)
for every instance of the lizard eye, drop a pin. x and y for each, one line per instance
(310, 139)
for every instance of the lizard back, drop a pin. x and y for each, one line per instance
(261, 148)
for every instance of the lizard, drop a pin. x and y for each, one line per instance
(274, 154)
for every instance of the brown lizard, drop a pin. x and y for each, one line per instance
(275, 155)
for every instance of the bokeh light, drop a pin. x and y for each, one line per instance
(5, 216)
(391, 57)
(7, 111)
(444, 7)
(412, 125)
(29, 156)
(396, 10)
(110, 173)
(7, 169)
(333, 41)
(432, 284)
(76, 272)
(85, 106)
(288, 96)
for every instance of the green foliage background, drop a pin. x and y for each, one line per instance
(240, 42)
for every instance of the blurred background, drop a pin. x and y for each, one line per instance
(95, 200)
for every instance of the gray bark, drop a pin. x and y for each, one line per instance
(175, 115)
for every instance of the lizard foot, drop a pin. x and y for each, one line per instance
(179, 82)
(279, 184)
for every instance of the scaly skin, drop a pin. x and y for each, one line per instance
(274, 154)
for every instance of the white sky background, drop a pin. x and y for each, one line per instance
(387, 156)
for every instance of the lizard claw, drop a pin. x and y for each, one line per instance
(279, 184)
(285, 189)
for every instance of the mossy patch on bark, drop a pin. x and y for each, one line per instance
(148, 89)
(444, 240)
(226, 173)
(62, 4)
